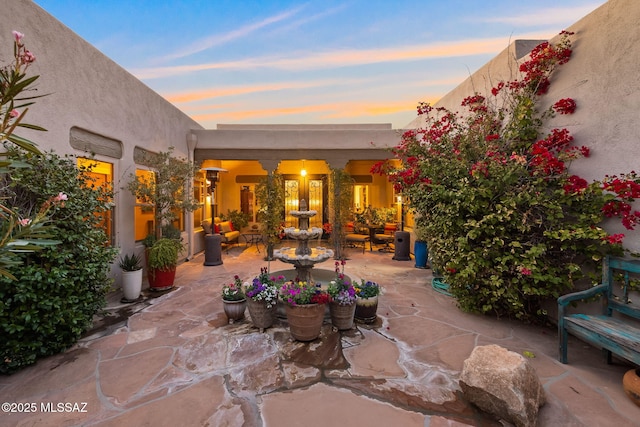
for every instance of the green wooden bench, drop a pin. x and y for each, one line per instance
(614, 330)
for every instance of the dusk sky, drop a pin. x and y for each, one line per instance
(319, 61)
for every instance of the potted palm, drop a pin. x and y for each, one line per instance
(162, 262)
(131, 266)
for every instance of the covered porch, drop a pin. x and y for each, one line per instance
(303, 155)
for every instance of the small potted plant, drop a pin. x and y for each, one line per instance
(305, 307)
(234, 300)
(343, 299)
(262, 293)
(367, 293)
(131, 266)
(162, 263)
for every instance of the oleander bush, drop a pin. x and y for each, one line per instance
(58, 289)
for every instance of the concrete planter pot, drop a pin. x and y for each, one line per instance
(131, 285)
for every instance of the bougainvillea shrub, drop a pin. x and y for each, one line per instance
(508, 224)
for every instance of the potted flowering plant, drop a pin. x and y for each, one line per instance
(343, 299)
(263, 298)
(367, 293)
(234, 300)
(305, 307)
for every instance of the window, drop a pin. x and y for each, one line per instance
(200, 194)
(360, 197)
(101, 175)
(144, 212)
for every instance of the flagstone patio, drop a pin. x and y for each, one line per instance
(174, 359)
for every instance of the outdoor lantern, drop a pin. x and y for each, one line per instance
(213, 176)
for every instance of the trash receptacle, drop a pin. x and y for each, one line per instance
(402, 243)
(212, 249)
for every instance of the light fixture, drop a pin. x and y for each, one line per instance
(303, 172)
(213, 176)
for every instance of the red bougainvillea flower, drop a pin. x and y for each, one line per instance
(565, 106)
(575, 185)
(615, 239)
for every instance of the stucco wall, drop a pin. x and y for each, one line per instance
(89, 91)
(602, 77)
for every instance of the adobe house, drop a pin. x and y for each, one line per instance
(95, 106)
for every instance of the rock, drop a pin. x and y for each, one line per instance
(502, 383)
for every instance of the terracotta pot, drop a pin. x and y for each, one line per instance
(366, 309)
(631, 385)
(342, 315)
(305, 320)
(161, 280)
(234, 309)
(261, 316)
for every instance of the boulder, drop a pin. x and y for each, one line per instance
(502, 383)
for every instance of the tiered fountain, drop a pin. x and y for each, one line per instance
(303, 257)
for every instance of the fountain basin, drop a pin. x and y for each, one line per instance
(303, 214)
(316, 256)
(297, 234)
(318, 275)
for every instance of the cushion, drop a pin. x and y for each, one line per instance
(217, 220)
(216, 228)
(226, 226)
(390, 228)
(349, 228)
(206, 225)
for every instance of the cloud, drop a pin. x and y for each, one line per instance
(217, 40)
(328, 110)
(343, 58)
(199, 95)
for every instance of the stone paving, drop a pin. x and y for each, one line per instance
(175, 360)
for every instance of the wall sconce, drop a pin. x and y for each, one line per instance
(303, 171)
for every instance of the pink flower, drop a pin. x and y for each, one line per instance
(60, 197)
(524, 271)
(27, 57)
(24, 222)
(14, 113)
(18, 36)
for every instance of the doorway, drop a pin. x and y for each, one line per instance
(311, 188)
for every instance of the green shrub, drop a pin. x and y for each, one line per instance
(58, 290)
(239, 219)
(507, 224)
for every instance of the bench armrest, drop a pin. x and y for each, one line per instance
(564, 300)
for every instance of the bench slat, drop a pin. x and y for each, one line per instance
(617, 330)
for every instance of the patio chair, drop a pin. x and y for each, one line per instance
(354, 239)
(386, 237)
